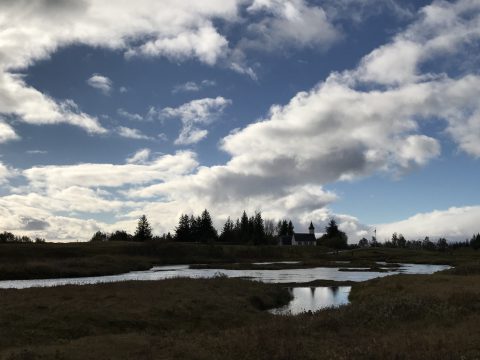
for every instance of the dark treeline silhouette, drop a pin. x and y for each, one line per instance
(333, 237)
(254, 230)
(143, 232)
(8, 237)
(441, 244)
(196, 229)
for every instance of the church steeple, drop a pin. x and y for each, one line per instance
(311, 228)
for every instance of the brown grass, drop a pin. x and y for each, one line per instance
(397, 317)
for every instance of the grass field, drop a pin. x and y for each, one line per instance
(396, 317)
(399, 317)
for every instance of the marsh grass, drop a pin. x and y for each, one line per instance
(397, 317)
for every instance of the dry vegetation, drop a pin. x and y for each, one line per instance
(397, 317)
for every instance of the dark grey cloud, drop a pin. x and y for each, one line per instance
(32, 224)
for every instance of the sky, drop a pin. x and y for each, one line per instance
(366, 111)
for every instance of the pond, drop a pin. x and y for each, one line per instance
(313, 299)
(268, 276)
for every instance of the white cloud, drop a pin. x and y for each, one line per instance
(94, 175)
(189, 86)
(194, 113)
(201, 111)
(100, 82)
(192, 86)
(7, 133)
(131, 133)
(455, 224)
(206, 44)
(190, 135)
(33, 107)
(443, 29)
(129, 116)
(339, 130)
(290, 23)
(37, 29)
(140, 157)
(5, 173)
(356, 123)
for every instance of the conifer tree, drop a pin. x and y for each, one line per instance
(144, 230)
(206, 229)
(182, 231)
(228, 230)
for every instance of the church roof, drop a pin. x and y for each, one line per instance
(304, 237)
(311, 227)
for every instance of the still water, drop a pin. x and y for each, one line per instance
(268, 276)
(313, 299)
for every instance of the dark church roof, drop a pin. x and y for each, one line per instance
(299, 237)
(311, 227)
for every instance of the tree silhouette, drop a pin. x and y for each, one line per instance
(475, 241)
(144, 230)
(228, 231)
(333, 237)
(363, 242)
(290, 228)
(258, 229)
(207, 231)
(99, 236)
(182, 231)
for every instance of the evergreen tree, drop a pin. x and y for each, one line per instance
(395, 240)
(182, 231)
(442, 244)
(144, 230)
(334, 237)
(363, 243)
(427, 244)
(475, 241)
(99, 236)
(402, 242)
(195, 233)
(282, 227)
(228, 231)
(120, 235)
(244, 228)
(258, 229)
(206, 229)
(290, 228)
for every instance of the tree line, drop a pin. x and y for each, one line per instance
(441, 244)
(254, 230)
(8, 237)
(244, 230)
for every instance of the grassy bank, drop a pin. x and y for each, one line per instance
(29, 261)
(398, 317)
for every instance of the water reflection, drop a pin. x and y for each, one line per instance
(268, 276)
(313, 299)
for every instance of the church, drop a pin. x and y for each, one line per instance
(300, 239)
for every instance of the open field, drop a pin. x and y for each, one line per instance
(29, 261)
(402, 317)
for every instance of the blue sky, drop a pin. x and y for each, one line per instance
(363, 110)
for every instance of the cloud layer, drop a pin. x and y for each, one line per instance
(356, 123)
